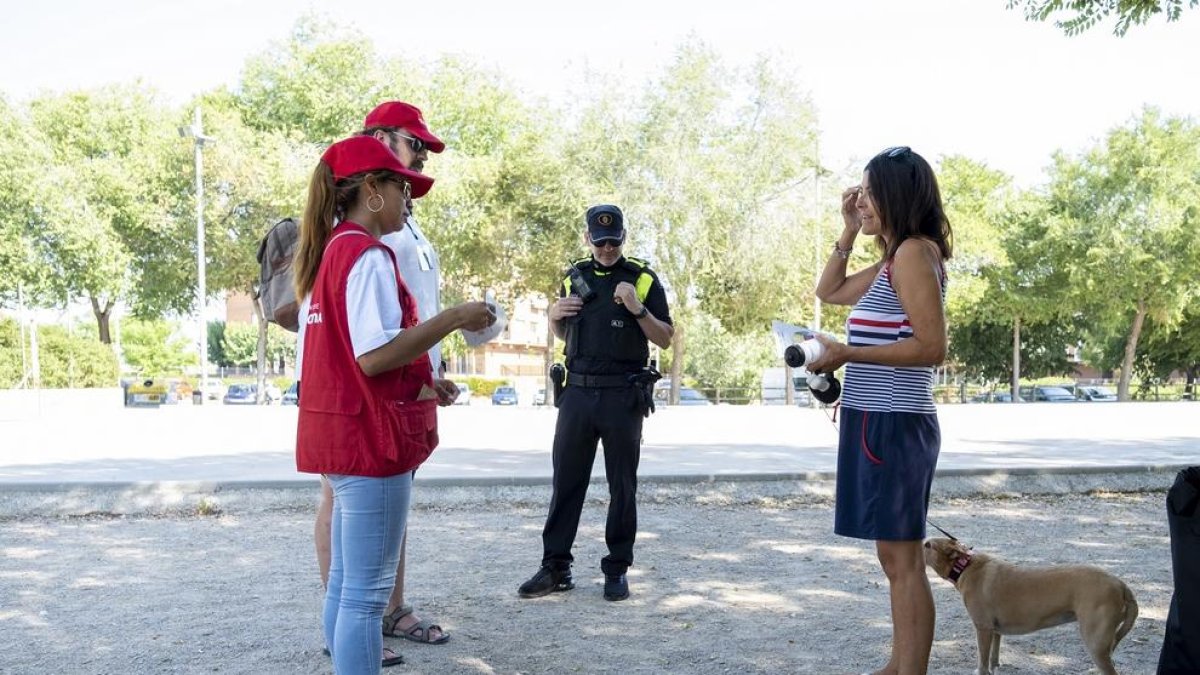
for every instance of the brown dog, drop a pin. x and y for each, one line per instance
(1003, 599)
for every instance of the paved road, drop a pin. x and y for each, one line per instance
(481, 443)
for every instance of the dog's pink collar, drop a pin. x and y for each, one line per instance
(960, 564)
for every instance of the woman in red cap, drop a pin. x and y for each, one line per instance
(368, 414)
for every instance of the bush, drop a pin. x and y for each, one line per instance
(65, 360)
(482, 386)
(155, 348)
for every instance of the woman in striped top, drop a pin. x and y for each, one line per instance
(896, 335)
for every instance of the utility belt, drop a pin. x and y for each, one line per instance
(642, 380)
(598, 381)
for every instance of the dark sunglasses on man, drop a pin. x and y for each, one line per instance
(614, 242)
(415, 143)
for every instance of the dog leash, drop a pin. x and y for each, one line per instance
(952, 537)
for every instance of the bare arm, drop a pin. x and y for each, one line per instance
(657, 331)
(411, 343)
(834, 287)
(915, 276)
(560, 311)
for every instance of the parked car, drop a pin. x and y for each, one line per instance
(215, 391)
(1095, 394)
(464, 394)
(687, 396)
(1053, 394)
(156, 391)
(241, 394)
(504, 396)
(540, 397)
(292, 395)
(996, 397)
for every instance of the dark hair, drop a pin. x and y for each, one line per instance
(327, 203)
(370, 131)
(905, 193)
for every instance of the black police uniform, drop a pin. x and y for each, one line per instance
(605, 344)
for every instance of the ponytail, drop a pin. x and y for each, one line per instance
(316, 226)
(327, 202)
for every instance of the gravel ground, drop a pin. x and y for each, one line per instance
(729, 579)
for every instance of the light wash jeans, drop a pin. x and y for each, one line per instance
(369, 515)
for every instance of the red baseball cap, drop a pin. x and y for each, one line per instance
(366, 153)
(401, 114)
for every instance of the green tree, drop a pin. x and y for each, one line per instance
(1084, 14)
(240, 344)
(1167, 349)
(1125, 232)
(155, 347)
(101, 198)
(319, 84)
(216, 343)
(23, 158)
(1002, 292)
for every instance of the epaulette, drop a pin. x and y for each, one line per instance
(636, 264)
(579, 263)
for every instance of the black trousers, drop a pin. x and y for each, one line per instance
(1181, 644)
(585, 416)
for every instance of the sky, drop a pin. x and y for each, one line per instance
(966, 77)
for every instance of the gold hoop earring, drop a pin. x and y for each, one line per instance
(371, 200)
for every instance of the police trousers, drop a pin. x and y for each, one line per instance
(587, 415)
(1181, 645)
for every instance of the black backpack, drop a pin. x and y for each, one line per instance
(276, 294)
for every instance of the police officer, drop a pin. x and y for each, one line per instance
(609, 306)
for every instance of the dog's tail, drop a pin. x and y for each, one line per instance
(1131, 614)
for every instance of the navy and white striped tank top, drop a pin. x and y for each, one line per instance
(878, 319)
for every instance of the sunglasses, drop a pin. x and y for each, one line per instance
(898, 151)
(415, 143)
(404, 185)
(614, 242)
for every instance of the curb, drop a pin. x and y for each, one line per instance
(114, 499)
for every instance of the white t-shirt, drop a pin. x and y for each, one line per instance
(371, 300)
(420, 268)
(372, 306)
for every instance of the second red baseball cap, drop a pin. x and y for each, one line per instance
(401, 114)
(358, 154)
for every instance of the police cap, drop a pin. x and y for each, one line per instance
(605, 221)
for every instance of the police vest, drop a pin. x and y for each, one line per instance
(605, 331)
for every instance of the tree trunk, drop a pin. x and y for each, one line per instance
(1189, 389)
(262, 351)
(102, 315)
(1015, 387)
(677, 351)
(1130, 352)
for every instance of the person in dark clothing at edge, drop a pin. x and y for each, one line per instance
(610, 307)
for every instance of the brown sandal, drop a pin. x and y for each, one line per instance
(418, 632)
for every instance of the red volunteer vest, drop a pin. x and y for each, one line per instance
(349, 423)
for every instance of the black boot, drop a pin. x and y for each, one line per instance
(547, 580)
(615, 587)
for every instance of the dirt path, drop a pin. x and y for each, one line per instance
(722, 585)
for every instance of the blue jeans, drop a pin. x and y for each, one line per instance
(369, 515)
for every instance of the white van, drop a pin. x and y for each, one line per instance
(773, 391)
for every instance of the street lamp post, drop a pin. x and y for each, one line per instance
(196, 132)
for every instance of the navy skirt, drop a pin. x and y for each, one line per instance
(885, 470)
